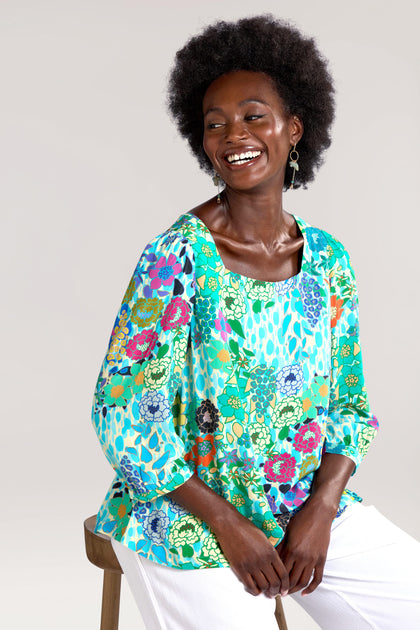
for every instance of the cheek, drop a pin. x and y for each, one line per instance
(209, 146)
(277, 133)
(277, 139)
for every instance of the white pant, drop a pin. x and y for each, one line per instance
(371, 580)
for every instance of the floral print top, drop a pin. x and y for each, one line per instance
(242, 382)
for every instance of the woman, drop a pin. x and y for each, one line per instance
(231, 402)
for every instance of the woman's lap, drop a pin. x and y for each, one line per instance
(371, 580)
(371, 577)
(176, 599)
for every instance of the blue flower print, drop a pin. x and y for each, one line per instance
(156, 525)
(154, 407)
(176, 508)
(311, 294)
(290, 379)
(140, 509)
(281, 288)
(131, 473)
(316, 239)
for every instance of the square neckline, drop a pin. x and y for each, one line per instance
(226, 271)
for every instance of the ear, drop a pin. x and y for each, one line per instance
(295, 129)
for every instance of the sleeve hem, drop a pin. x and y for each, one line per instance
(179, 478)
(349, 452)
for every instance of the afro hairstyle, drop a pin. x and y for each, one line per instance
(258, 44)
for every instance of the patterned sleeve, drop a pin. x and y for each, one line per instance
(351, 426)
(133, 408)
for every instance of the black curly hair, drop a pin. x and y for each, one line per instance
(259, 44)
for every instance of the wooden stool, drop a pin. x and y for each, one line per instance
(100, 552)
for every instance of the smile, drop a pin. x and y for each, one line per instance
(242, 158)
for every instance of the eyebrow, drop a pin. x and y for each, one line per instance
(246, 101)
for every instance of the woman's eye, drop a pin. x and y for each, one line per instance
(214, 125)
(254, 116)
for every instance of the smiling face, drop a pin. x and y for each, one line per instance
(247, 132)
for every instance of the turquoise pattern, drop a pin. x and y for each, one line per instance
(245, 383)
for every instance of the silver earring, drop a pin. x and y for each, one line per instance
(217, 181)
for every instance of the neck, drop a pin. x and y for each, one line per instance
(255, 217)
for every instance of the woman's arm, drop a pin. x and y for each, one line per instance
(349, 430)
(132, 407)
(251, 556)
(304, 548)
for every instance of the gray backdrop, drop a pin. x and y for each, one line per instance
(91, 169)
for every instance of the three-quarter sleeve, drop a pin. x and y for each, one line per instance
(133, 408)
(351, 426)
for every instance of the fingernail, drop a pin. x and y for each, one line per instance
(284, 593)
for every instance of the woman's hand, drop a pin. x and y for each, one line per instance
(252, 557)
(304, 547)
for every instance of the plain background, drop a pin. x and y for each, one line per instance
(91, 169)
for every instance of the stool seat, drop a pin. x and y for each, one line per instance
(100, 552)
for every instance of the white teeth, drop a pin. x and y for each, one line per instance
(243, 157)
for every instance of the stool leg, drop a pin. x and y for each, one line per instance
(279, 614)
(110, 600)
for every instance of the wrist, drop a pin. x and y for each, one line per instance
(323, 503)
(225, 518)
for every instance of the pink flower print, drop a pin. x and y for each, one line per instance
(308, 437)
(280, 468)
(374, 422)
(222, 325)
(140, 346)
(177, 313)
(164, 271)
(294, 497)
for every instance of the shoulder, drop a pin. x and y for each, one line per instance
(326, 246)
(175, 241)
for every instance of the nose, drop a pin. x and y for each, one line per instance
(235, 130)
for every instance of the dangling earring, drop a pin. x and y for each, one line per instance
(217, 181)
(293, 164)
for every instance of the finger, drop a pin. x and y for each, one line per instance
(279, 547)
(294, 575)
(261, 581)
(247, 581)
(303, 580)
(288, 561)
(273, 581)
(283, 574)
(250, 585)
(316, 580)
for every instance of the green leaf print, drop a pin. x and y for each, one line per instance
(237, 327)
(256, 307)
(162, 351)
(187, 551)
(234, 346)
(283, 434)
